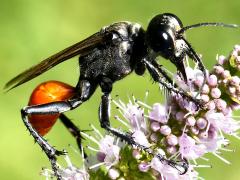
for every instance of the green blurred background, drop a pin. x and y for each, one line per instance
(33, 30)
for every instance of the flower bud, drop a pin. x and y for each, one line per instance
(154, 137)
(221, 60)
(171, 150)
(218, 69)
(113, 173)
(190, 121)
(172, 140)
(205, 98)
(194, 130)
(220, 104)
(201, 123)
(143, 167)
(211, 105)
(232, 90)
(180, 116)
(215, 93)
(226, 74)
(199, 81)
(136, 154)
(165, 130)
(212, 80)
(234, 81)
(205, 89)
(155, 126)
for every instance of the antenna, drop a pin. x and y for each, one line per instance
(216, 24)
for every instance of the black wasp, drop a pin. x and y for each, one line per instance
(108, 56)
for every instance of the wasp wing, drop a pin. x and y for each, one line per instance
(80, 48)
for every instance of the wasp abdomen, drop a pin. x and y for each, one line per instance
(50, 91)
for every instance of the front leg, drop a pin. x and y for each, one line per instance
(104, 115)
(156, 75)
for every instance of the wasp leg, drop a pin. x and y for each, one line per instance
(156, 75)
(86, 90)
(163, 72)
(104, 116)
(74, 130)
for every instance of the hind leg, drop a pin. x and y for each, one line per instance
(86, 90)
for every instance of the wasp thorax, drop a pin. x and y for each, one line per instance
(161, 34)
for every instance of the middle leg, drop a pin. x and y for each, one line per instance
(104, 117)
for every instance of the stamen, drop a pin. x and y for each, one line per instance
(206, 159)
(91, 148)
(90, 137)
(122, 121)
(68, 161)
(221, 158)
(144, 104)
(96, 130)
(202, 166)
(146, 96)
(96, 165)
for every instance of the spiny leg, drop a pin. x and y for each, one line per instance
(86, 90)
(73, 129)
(104, 115)
(154, 72)
(163, 72)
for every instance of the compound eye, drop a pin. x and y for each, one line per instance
(163, 43)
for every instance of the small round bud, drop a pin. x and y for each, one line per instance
(143, 167)
(235, 53)
(218, 69)
(205, 98)
(211, 105)
(136, 154)
(212, 80)
(171, 150)
(227, 111)
(220, 104)
(180, 116)
(235, 81)
(113, 173)
(199, 81)
(190, 121)
(237, 60)
(232, 89)
(205, 89)
(215, 93)
(194, 130)
(237, 47)
(226, 74)
(172, 140)
(221, 60)
(165, 130)
(155, 126)
(201, 123)
(154, 137)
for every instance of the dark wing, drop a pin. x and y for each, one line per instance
(79, 48)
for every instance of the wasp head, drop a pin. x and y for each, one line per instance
(164, 39)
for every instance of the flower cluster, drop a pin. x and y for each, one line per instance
(177, 130)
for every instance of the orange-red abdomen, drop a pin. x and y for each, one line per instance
(47, 92)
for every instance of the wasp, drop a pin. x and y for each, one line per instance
(104, 58)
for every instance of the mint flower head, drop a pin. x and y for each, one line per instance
(176, 129)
